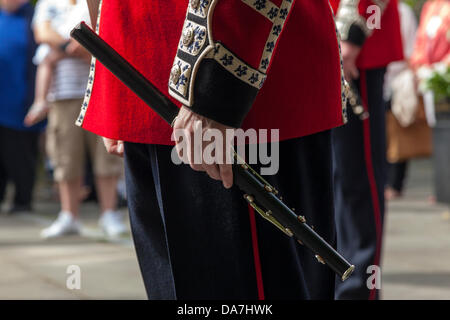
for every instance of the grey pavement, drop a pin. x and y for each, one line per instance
(32, 268)
(416, 259)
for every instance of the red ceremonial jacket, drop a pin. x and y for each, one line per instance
(379, 46)
(214, 56)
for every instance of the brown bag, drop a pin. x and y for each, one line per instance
(405, 143)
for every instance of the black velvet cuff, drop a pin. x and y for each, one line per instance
(356, 35)
(220, 96)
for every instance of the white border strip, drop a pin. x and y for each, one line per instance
(265, 7)
(90, 84)
(278, 25)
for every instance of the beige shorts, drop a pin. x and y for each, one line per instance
(67, 145)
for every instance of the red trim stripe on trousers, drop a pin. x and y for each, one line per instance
(257, 260)
(371, 176)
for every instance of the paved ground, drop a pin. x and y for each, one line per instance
(32, 268)
(416, 262)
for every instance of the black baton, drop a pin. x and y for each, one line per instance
(258, 192)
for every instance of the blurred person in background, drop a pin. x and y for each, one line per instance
(400, 77)
(66, 144)
(433, 36)
(371, 39)
(18, 144)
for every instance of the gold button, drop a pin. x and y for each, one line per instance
(188, 36)
(195, 4)
(175, 73)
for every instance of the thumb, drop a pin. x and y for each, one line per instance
(355, 72)
(120, 148)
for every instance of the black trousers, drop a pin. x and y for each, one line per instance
(196, 240)
(359, 154)
(397, 175)
(18, 159)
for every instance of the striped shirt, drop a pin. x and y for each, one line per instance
(70, 74)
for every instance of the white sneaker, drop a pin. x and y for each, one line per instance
(65, 224)
(112, 223)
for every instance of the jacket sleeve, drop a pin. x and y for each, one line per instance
(224, 54)
(353, 16)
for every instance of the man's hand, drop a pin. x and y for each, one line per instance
(192, 125)
(350, 53)
(114, 146)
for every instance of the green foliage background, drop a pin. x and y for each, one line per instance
(416, 5)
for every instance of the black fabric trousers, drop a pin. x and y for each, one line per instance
(18, 160)
(196, 240)
(397, 175)
(359, 155)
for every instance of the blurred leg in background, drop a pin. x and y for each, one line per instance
(67, 146)
(18, 159)
(44, 75)
(3, 182)
(107, 169)
(396, 179)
